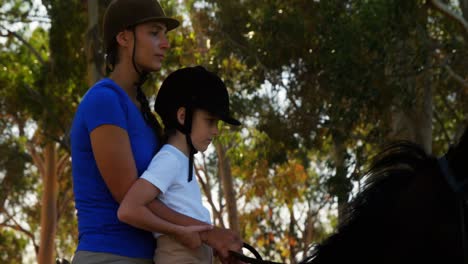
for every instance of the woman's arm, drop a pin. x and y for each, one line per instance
(114, 159)
(113, 154)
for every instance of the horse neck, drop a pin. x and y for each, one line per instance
(419, 222)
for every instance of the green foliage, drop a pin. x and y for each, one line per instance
(10, 245)
(62, 81)
(15, 182)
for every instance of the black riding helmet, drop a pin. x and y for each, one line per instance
(192, 88)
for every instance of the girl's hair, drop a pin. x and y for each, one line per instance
(112, 59)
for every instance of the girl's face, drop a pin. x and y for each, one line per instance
(204, 129)
(151, 45)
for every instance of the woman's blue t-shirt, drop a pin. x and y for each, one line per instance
(99, 228)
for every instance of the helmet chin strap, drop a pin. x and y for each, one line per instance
(186, 129)
(192, 152)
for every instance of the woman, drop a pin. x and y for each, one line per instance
(114, 137)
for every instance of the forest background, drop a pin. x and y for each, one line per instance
(320, 86)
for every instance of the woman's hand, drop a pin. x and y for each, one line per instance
(189, 236)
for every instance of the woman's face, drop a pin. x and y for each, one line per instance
(151, 45)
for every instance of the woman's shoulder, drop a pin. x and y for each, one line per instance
(104, 92)
(104, 87)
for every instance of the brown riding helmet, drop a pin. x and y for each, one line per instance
(122, 14)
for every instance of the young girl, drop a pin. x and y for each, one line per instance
(114, 137)
(190, 103)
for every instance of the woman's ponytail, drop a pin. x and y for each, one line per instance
(148, 115)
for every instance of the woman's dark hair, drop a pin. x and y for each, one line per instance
(111, 56)
(148, 115)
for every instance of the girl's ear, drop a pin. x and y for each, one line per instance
(181, 115)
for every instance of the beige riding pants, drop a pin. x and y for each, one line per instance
(171, 251)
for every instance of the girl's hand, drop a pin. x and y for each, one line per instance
(189, 235)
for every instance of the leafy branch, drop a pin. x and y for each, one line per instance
(443, 8)
(26, 43)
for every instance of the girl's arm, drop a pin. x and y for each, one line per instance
(220, 239)
(134, 211)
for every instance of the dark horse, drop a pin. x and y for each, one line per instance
(413, 210)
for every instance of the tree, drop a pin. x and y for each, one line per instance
(45, 101)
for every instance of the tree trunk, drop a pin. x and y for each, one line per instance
(228, 187)
(340, 182)
(92, 46)
(309, 231)
(48, 205)
(415, 124)
(292, 236)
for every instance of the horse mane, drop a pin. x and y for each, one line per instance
(390, 174)
(456, 157)
(392, 169)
